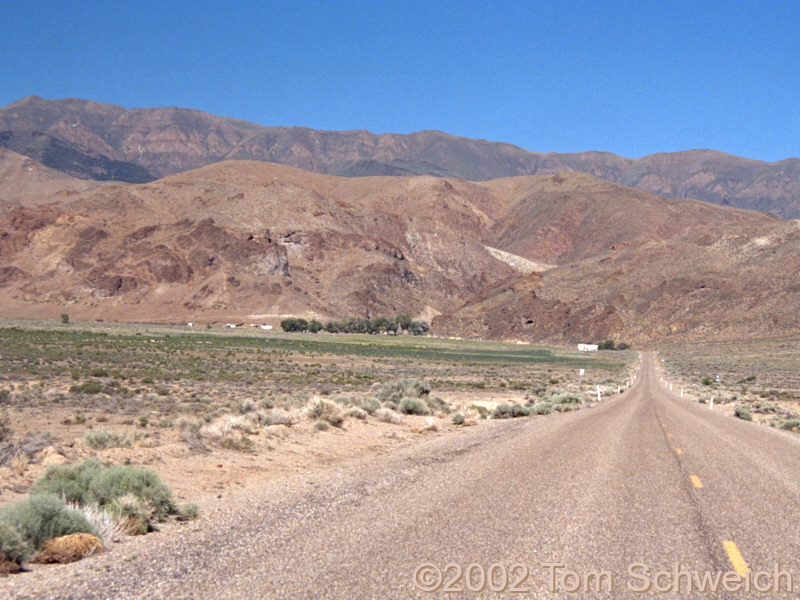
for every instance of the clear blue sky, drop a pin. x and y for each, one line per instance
(631, 78)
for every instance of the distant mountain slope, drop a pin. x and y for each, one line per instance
(102, 141)
(724, 284)
(240, 240)
(24, 181)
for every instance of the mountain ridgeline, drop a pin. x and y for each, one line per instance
(91, 140)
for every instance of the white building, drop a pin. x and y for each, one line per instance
(587, 347)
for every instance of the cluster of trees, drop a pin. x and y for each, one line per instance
(611, 345)
(395, 325)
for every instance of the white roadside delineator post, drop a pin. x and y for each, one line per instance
(711, 403)
(598, 393)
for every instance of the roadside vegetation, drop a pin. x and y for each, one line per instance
(103, 503)
(755, 381)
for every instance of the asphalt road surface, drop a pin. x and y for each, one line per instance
(646, 495)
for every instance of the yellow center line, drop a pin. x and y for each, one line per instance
(678, 451)
(736, 558)
(696, 481)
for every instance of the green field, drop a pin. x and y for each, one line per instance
(167, 354)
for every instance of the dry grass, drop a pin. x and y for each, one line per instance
(68, 548)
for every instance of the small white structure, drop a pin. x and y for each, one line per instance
(266, 327)
(190, 324)
(230, 326)
(587, 347)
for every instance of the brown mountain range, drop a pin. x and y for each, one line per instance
(106, 142)
(559, 257)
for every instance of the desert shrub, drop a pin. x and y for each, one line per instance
(436, 404)
(5, 430)
(482, 411)
(280, 416)
(227, 427)
(357, 413)
(42, 517)
(369, 405)
(69, 482)
(388, 416)
(395, 391)
(517, 410)
(246, 406)
(707, 381)
(510, 411)
(133, 516)
(230, 432)
(12, 546)
(267, 402)
(101, 440)
(188, 425)
(542, 408)
(322, 425)
(65, 318)
(787, 424)
(325, 410)
(88, 387)
(91, 483)
(117, 481)
(567, 398)
(743, 413)
(563, 407)
(187, 512)
(5, 395)
(413, 406)
(765, 407)
(502, 411)
(239, 442)
(458, 419)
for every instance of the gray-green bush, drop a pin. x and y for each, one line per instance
(39, 518)
(542, 408)
(567, 398)
(12, 546)
(325, 410)
(413, 406)
(743, 413)
(369, 404)
(101, 439)
(89, 482)
(436, 404)
(393, 392)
